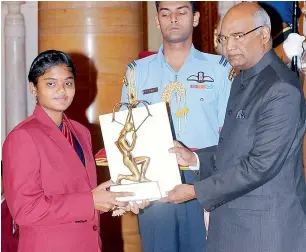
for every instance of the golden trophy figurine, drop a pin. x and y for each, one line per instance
(126, 150)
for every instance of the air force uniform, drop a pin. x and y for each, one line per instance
(180, 227)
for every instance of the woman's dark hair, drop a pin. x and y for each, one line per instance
(47, 59)
(193, 6)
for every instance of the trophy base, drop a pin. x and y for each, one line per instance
(143, 191)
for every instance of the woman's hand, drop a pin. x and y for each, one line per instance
(135, 206)
(132, 206)
(105, 200)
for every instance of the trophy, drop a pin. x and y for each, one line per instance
(126, 148)
(136, 142)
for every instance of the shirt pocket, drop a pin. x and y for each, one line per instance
(151, 98)
(202, 93)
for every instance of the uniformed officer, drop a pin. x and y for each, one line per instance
(200, 81)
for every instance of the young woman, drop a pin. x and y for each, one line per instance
(49, 170)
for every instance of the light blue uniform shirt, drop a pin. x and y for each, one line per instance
(180, 227)
(206, 105)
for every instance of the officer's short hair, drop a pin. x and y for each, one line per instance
(193, 6)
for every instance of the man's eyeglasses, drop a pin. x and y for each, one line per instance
(237, 36)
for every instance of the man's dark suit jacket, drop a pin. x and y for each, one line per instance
(253, 182)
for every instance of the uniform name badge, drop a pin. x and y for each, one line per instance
(136, 141)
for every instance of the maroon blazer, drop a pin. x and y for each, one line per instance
(9, 240)
(47, 188)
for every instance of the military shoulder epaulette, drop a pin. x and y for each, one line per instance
(223, 61)
(231, 75)
(133, 64)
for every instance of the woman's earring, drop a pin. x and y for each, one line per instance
(33, 91)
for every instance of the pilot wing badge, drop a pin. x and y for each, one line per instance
(201, 78)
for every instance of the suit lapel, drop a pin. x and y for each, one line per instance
(80, 139)
(58, 138)
(86, 151)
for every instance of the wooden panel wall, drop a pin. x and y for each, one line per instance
(203, 36)
(107, 34)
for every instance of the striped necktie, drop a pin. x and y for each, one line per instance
(67, 132)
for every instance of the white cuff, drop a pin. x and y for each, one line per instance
(197, 166)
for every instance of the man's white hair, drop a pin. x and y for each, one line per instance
(261, 17)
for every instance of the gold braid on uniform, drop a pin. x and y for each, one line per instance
(131, 85)
(180, 93)
(231, 75)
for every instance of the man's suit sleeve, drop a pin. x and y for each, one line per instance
(207, 159)
(276, 129)
(26, 199)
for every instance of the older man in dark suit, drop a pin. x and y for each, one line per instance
(253, 182)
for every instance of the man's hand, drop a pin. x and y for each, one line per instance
(105, 200)
(180, 194)
(184, 156)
